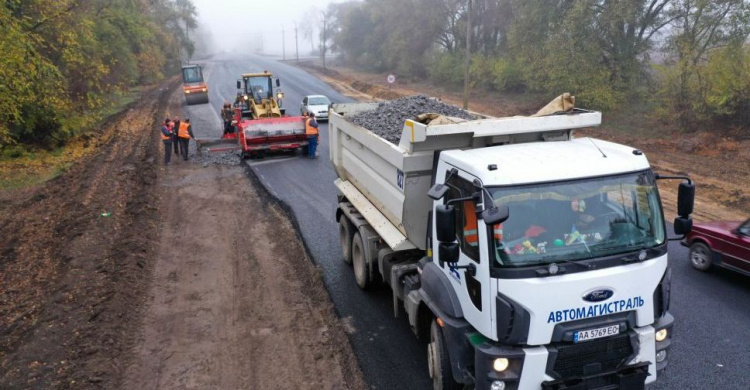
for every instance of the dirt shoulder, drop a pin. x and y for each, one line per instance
(235, 303)
(71, 279)
(718, 161)
(123, 274)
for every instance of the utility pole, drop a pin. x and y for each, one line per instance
(283, 43)
(296, 43)
(324, 41)
(468, 59)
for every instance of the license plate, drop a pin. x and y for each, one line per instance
(590, 334)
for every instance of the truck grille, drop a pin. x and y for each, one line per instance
(609, 353)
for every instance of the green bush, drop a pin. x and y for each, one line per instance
(727, 94)
(507, 76)
(446, 68)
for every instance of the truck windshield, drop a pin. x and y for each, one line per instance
(192, 75)
(577, 220)
(259, 87)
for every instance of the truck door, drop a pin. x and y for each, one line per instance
(472, 291)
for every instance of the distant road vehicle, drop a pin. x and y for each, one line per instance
(317, 104)
(193, 85)
(722, 243)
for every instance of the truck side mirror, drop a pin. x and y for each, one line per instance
(682, 225)
(239, 84)
(685, 199)
(278, 82)
(445, 223)
(495, 215)
(448, 252)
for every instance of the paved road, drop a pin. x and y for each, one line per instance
(712, 336)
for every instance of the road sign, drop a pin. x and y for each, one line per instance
(390, 79)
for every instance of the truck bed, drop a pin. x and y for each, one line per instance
(395, 178)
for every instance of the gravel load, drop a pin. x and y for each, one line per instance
(207, 158)
(388, 119)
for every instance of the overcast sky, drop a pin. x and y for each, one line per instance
(238, 24)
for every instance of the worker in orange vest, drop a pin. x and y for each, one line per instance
(184, 133)
(166, 137)
(311, 130)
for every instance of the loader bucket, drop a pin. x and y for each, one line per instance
(274, 133)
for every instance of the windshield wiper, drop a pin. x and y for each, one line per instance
(553, 268)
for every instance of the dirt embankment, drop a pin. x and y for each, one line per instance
(718, 161)
(235, 302)
(124, 273)
(74, 259)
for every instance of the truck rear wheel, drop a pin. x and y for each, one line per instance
(361, 273)
(346, 232)
(438, 361)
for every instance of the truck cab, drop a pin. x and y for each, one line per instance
(528, 258)
(569, 285)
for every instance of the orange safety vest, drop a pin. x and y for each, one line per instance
(165, 137)
(309, 130)
(183, 131)
(471, 233)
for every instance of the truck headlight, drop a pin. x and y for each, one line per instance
(187, 91)
(204, 89)
(279, 95)
(661, 335)
(500, 364)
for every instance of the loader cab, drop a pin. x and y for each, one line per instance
(257, 89)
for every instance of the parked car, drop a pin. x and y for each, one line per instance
(724, 244)
(317, 104)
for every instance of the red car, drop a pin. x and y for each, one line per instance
(724, 244)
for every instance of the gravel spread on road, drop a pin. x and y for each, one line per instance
(207, 158)
(388, 119)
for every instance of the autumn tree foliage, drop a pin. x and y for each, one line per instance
(64, 60)
(602, 50)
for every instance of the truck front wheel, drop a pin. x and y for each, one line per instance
(345, 237)
(361, 273)
(438, 361)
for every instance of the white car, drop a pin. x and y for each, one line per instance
(317, 104)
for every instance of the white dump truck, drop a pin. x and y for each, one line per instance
(526, 257)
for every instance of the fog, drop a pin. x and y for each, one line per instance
(256, 26)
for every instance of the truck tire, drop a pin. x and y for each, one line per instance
(361, 272)
(438, 361)
(346, 233)
(700, 256)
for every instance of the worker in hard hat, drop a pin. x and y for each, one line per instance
(311, 130)
(226, 116)
(166, 137)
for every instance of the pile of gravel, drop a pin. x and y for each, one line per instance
(207, 158)
(388, 119)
